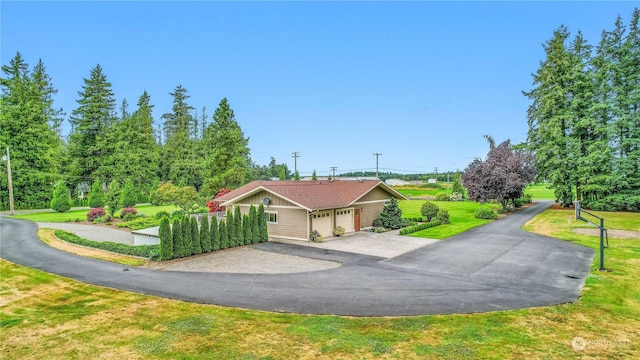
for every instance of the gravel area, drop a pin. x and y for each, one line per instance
(244, 260)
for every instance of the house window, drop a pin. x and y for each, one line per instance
(272, 217)
(320, 215)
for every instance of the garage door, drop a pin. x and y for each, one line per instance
(344, 218)
(322, 222)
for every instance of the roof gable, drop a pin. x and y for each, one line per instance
(311, 195)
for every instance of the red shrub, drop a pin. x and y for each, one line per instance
(214, 206)
(95, 213)
(128, 210)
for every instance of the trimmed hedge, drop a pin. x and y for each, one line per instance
(146, 251)
(415, 219)
(412, 229)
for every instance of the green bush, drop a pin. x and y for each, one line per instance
(443, 216)
(129, 197)
(61, 201)
(315, 236)
(96, 196)
(485, 212)
(338, 231)
(100, 220)
(442, 196)
(377, 223)
(146, 251)
(166, 239)
(391, 215)
(429, 210)
(527, 198)
(412, 229)
(615, 203)
(139, 223)
(456, 196)
(161, 214)
(518, 202)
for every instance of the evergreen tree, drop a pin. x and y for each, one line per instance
(255, 229)
(177, 238)
(128, 197)
(224, 236)
(391, 215)
(457, 184)
(166, 239)
(227, 162)
(29, 126)
(237, 223)
(246, 229)
(196, 248)
(296, 176)
(90, 122)
(114, 197)
(205, 234)
(96, 196)
(314, 177)
(231, 228)
(136, 153)
(187, 238)
(262, 224)
(215, 234)
(181, 162)
(60, 201)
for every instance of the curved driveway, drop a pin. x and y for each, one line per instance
(493, 267)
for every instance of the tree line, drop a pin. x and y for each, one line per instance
(110, 143)
(584, 117)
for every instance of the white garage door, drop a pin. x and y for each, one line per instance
(344, 218)
(321, 221)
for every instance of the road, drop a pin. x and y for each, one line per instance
(494, 267)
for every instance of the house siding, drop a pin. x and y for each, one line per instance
(292, 222)
(369, 212)
(375, 194)
(257, 198)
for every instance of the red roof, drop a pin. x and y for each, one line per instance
(311, 195)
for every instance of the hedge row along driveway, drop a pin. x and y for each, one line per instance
(497, 266)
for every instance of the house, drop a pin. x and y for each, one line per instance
(295, 209)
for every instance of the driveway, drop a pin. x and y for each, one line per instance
(494, 267)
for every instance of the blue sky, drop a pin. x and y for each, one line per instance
(419, 82)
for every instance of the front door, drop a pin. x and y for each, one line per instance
(356, 221)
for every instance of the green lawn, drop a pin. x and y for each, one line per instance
(81, 215)
(540, 192)
(48, 316)
(461, 215)
(418, 191)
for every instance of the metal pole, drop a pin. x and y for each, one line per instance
(10, 183)
(295, 155)
(377, 155)
(601, 244)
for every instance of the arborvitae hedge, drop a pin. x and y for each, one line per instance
(177, 238)
(246, 229)
(205, 236)
(186, 237)
(253, 220)
(224, 235)
(196, 249)
(166, 239)
(215, 234)
(231, 229)
(237, 222)
(262, 224)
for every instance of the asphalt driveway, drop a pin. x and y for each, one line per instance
(494, 267)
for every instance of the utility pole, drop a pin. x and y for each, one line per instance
(10, 182)
(436, 171)
(295, 156)
(377, 155)
(333, 168)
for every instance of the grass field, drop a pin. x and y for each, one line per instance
(460, 215)
(48, 316)
(419, 191)
(81, 215)
(540, 192)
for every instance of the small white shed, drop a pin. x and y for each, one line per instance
(146, 236)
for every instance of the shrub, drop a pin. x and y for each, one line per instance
(61, 201)
(456, 196)
(414, 219)
(201, 210)
(196, 248)
(113, 197)
(100, 220)
(527, 198)
(419, 227)
(129, 217)
(377, 223)
(391, 215)
(205, 235)
(138, 223)
(443, 216)
(128, 210)
(315, 236)
(442, 196)
(178, 214)
(176, 234)
(128, 198)
(96, 196)
(166, 240)
(338, 231)
(485, 212)
(214, 206)
(161, 215)
(96, 213)
(518, 202)
(214, 234)
(146, 251)
(429, 210)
